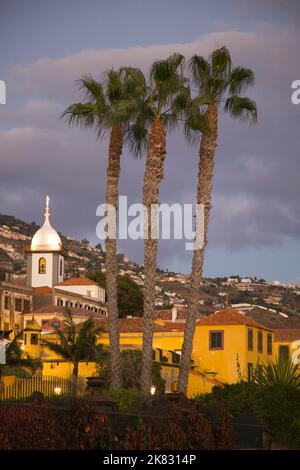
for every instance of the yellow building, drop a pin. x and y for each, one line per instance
(287, 344)
(227, 342)
(227, 345)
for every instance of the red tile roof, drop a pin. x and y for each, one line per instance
(77, 281)
(229, 316)
(166, 314)
(286, 335)
(173, 325)
(44, 290)
(131, 325)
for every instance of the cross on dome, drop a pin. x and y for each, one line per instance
(46, 238)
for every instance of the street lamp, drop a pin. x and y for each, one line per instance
(57, 391)
(153, 390)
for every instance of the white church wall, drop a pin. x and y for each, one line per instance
(37, 279)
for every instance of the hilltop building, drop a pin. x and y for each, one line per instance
(45, 288)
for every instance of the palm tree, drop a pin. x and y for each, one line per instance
(219, 84)
(98, 111)
(77, 342)
(160, 106)
(280, 372)
(16, 358)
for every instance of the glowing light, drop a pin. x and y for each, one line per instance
(57, 390)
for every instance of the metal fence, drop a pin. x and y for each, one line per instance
(49, 386)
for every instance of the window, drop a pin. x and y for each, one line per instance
(250, 339)
(61, 267)
(18, 305)
(34, 339)
(260, 341)
(284, 353)
(26, 306)
(250, 372)
(216, 340)
(6, 302)
(269, 343)
(42, 266)
(56, 324)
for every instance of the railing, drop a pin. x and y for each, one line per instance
(49, 386)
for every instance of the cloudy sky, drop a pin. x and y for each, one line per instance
(46, 45)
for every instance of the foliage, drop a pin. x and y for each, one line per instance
(19, 372)
(280, 372)
(128, 399)
(17, 361)
(78, 343)
(78, 426)
(183, 427)
(276, 406)
(130, 295)
(132, 370)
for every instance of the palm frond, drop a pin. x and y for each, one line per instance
(133, 79)
(240, 79)
(136, 137)
(200, 69)
(280, 372)
(164, 70)
(80, 114)
(242, 108)
(93, 90)
(115, 89)
(220, 62)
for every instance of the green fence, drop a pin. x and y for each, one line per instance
(49, 386)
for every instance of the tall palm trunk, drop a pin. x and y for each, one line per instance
(113, 175)
(75, 370)
(204, 192)
(156, 151)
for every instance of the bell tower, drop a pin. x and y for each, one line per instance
(45, 258)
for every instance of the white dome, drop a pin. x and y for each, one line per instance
(46, 238)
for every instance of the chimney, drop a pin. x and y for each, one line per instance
(174, 313)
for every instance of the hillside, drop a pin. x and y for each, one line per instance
(172, 288)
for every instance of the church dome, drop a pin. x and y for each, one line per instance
(46, 238)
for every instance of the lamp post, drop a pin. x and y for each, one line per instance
(152, 391)
(57, 390)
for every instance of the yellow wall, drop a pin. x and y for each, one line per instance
(169, 340)
(223, 363)
(198, 383)
(64, 369)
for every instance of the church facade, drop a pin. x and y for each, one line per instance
(45, 289)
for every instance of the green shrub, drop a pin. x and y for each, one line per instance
(276, 406)
(127, 399)
(16, 372)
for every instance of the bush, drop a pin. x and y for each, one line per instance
(128, 399)
(276, 406)
(132, 371)
(75, 425)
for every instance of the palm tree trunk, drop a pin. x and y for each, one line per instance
(156, 152)
(75, 370)
(204, 192)
(113, 175)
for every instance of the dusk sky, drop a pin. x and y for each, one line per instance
(45, 46)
